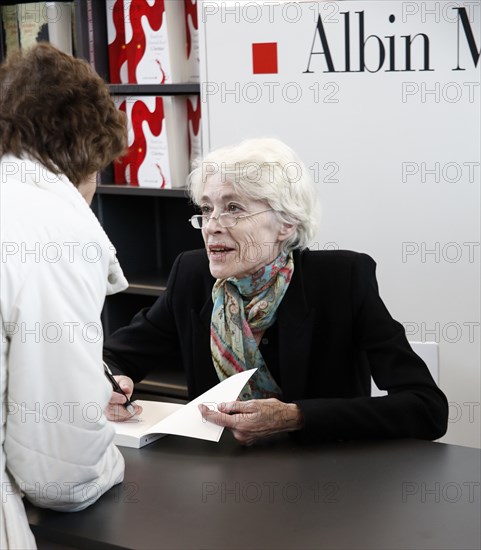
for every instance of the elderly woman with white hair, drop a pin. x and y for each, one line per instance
(311, 322)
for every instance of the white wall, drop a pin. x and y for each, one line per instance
(371, 139)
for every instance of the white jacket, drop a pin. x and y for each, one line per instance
(56, 267)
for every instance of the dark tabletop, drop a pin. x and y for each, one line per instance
(182, 493)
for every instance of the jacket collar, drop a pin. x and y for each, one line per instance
(295, 318)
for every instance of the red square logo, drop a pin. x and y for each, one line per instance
(264, 58)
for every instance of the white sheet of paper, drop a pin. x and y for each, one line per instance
(188, 421)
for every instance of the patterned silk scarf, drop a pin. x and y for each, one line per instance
(240, 307)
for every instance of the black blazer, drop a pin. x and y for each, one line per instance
(333, 333)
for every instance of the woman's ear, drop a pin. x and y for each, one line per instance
(286, 230)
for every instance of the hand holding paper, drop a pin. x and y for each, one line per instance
(255, 419)
(176, 419)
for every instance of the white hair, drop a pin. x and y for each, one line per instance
(265, 169)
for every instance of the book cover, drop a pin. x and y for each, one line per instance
(158, 419)
(175, 109)
(155, 41)
(193, 128)
(116, 41)
(147, 162)
(32, 23)
(59, 22)
(40, 22)
(192, 41)
(10, 29)
(90, 32)
(158, 144)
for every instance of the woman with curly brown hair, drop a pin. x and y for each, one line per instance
(58, 127)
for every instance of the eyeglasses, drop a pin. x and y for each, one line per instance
(224, 220)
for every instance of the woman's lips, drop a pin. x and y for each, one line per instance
(219, 250)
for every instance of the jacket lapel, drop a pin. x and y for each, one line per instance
(295, 322)
(203, 374)
(295, 319)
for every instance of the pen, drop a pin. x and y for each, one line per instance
(115, 385)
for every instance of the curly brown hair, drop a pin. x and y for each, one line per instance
(57, 110)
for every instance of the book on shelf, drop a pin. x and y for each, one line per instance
(158, 145)
(29, 23)
(192, 41)
(193, 128)
(116, 41)
(159, 419)
(10, 29)
(59, 21)
(32, 24)
(155, 41)
(120, 175)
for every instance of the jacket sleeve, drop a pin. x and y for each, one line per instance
(414, 407)
(149, 341)
(58, 443)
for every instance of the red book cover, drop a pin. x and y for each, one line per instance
(155, 41)
(192, 41)
(116, 41)
(147, 162)
(157, 142)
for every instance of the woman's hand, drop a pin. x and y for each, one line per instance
(115, 409)
(254, 419)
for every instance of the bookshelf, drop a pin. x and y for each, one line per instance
(149, 227)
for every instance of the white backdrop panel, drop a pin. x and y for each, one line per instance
(395, 152)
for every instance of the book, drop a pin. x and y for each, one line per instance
(175, 109)
(59, 22)
(192, 41)
(90, 32)
(159, 419)
(135, 432)
(120, 164)
(32, 24)
(193, 129)
(158, 154)
(116, 41)
(27, 24)
(155, 41)
(10, 29)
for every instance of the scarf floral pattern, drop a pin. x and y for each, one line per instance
(243, 307)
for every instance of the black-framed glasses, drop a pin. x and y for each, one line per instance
(225, 219)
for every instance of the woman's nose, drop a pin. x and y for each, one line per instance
(212, 225)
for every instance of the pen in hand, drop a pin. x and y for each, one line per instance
(115, 385)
